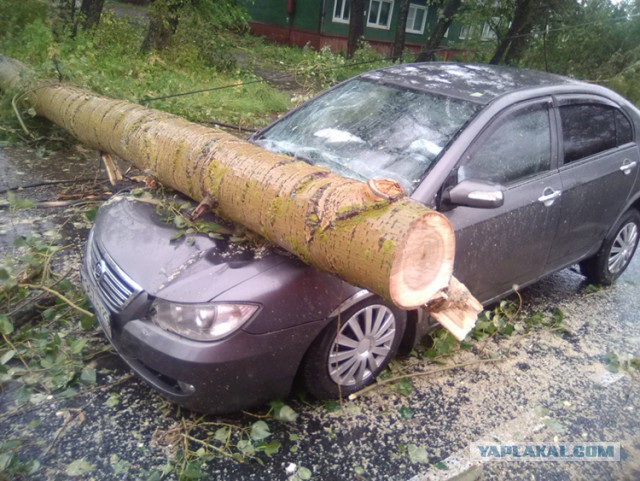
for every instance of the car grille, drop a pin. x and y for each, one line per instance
(116, 289)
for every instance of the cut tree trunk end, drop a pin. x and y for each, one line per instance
(370, 235)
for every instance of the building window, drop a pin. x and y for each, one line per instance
(416, 19)
(380, 13)
(487, 32)
(466, 32)
(341, 11)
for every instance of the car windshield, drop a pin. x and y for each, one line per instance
(365, 130)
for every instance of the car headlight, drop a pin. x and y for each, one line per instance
(201, 322)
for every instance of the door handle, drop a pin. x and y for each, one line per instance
(627, 165)
(549, 196)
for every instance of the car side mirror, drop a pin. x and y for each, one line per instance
(476, 193)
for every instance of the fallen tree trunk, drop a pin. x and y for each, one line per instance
(388, 244)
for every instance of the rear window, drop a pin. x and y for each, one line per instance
(589, 129)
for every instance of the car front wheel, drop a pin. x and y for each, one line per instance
(353, 349)
(616, 252)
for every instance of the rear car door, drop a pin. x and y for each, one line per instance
(499, 247)
(598, 170)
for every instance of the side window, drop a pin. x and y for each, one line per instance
(624, 131)
(587, 129)
(520, 146)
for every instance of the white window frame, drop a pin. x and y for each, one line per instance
(467, 32)
(376, 24)
(487, 31)
(411, 18)
(340, 18)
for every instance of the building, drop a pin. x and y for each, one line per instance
(326, 22)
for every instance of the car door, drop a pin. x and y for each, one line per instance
(598, 171)
(499, 247)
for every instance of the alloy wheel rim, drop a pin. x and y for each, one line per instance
(623, 247)
(362, 345)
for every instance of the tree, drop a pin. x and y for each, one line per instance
(91, 11)
(447, 10)
(356, 26)
(401, 27)
(163, 23)
(514, 43)
(368, 234)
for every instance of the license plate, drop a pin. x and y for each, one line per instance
(100, 310)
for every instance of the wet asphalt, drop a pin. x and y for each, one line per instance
(551, 388)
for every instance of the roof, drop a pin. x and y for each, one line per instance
(477, 83)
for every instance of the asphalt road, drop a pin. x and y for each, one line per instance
(550, 388)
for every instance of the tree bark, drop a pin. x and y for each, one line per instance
(514, 43)
(401, 27)
(392, 246)
(356, 26)
(91, 11)
(428, 52)
(163, 23)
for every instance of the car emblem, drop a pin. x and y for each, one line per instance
(99, 269)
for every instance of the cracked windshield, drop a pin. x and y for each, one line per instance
(368, 130)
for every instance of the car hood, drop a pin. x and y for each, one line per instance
(195, 269)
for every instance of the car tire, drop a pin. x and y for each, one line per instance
(616, 252)
(352, 350)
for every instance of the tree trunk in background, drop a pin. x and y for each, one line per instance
(427, 54)
(91, 11)
(62, 18)
(394, 247)
(163, 23)
(356, 26)
(401, 27)
(515, 42)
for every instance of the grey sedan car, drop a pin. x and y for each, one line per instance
(536, 172)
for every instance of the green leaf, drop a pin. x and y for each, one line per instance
(194, 471)
(178, 234)
(417, 454)
(5, 461)
(442, 466)
(405, 412)
(285, 413)
(613, 362)
(49, 314)
(6, 327)
(222, 435)
(88, 375)
(270, 448)
(245, 446)
(113, 400)
(4, 275)
(179, 222)
(19, 204)
(7, 356)
(79, 467)
(554, 425)
(404, 386)
(260, 430)
(303, 473)
(90, 214)
(331, 406)
(155, 476)
(77, 346)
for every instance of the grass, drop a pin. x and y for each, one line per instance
(108, 61)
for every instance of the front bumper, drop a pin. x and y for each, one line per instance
(235, 373)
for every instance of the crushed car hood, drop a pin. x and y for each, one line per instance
(192, 268)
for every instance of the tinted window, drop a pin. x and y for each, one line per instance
(519, 147)
(624, 132)
(587, 129)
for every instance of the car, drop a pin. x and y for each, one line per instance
(536, 172)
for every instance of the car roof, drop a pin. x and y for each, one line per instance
(473, 82)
